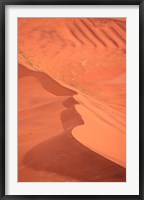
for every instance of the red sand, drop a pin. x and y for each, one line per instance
(72, 100)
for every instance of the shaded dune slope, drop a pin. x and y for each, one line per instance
(47, 149)
(46, 81)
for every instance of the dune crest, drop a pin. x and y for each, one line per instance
(100, 132)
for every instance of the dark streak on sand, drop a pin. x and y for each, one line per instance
(85, 35)
(118, 34)
(75, 36)
(110, 38)
(93, 33)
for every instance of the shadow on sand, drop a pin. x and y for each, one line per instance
(46, 81)
(63, 154)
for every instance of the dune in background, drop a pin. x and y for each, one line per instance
(72, 80)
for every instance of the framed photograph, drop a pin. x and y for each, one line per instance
(71, 99)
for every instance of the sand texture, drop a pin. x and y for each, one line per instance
(71, 100)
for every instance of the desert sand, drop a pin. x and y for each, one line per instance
(72, 100)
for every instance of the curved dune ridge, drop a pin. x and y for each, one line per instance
(72, 100)
(47, 149)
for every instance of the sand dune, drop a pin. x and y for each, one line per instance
(72, 100)
(47, 149)
(53, 46)
(101, 132)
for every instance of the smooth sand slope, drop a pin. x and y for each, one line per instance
(102, 132)
(47, 149)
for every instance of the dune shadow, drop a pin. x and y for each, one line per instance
(66, 156)
(63, 154)
(46, 81)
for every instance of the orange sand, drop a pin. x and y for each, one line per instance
(72, 79)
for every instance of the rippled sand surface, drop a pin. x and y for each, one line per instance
(72, 100)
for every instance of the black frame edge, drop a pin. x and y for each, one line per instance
(2, 96)
(141, 100)
(71, 2)
(2, 100)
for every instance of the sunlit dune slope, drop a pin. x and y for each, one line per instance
(47, 149)
(103, 130)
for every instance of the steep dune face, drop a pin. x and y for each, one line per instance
(72, 99)
(102, 131)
